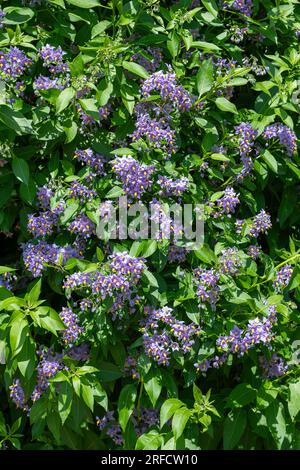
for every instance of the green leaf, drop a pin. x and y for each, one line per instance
(136, 69)
(21, 170)
(64, 99)
(65, 401)
(6, 269)
(17, 15)
(50, 320)
(168, 409)
(179, 421)
(87, 395)
(153, 385)
(26, 358)
(99, 28)
(270, 161)
(224, 105)
(241, 395)
(18, 333)
(151, 440)
(35, 291)
(234, 427)
(294, 399)
(205, 77)
(15, 120)
(85, 3)
(126, 404)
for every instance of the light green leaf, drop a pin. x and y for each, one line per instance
(64, 99)
(224, 105)
(168, 409)
(136, 69)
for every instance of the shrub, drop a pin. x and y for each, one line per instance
(114, 342)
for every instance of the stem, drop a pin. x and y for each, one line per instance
(140, 397)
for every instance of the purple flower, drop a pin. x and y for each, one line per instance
(82, 226)
(91, 159)
(72, 331)
(135, 177)
(53, 59)
(81, 192)
(261, 223)
(37, 256)
(176, 254)
(286, 136)
(130, 367)
(45, 83)
(171, 187)
(283, 277)
(169, 90)
(13, 64)
(17, 395)
(275, 367)
(150, 59)
(243, 6)
(7, 280)
(79, 353)
(207, 289)
(43, 224)
(48, 367)
(254, 251)
(44, 195)
(228, 202)
(157, 133)
(230, 261)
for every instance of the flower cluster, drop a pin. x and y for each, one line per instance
(287, 137)
(260, 224)
(37, 256)
(254, 251)
(258, 331)
(207, 289)
(53, 59)
(150, 59)
(157, 132)
(44, 196)
(49, 365)
(168, 88)
(243, 6)
(109, 424)
(89, 158)
(82, 226)
(135, 177)
(45, 83)
(283, 277)
(230, 261)
(171, 187)
(13, 64)
(130, 367)
(275, 367)
(17, 395)
(7, 280)
(175, 335)
(72, 331)
(227, 203)
(246, 137)
(81, 192)
(176, 254)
